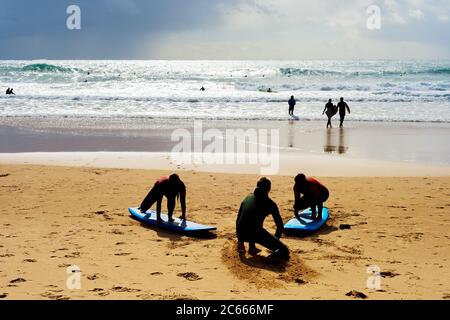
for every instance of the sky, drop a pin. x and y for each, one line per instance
(225, 29)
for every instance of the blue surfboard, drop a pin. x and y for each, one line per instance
(180, 226)
(305, 224)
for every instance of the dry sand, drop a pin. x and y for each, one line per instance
(54, 217)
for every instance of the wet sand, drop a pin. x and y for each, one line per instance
(422, 143)
(53, 217)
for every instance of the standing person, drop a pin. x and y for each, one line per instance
(7, 91)
(330, 110)
(249, 224)
(343, 107)
(170, 187)
(292, 104)
(314, 195)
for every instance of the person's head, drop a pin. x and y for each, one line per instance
(300, 180)
(292, 97)
(342, 99)
(176, 182)
(330, 100)
(264, 185)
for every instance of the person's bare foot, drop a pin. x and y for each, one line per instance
(171, 219)
(241, 247)
(159, 220)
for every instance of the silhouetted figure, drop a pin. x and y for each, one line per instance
(7, 91)
(314, 195)
(10, 91)
(269, 90)
(292, 104)
(343, 107)
(170, 187)
(250, 221)
(330, 110)
(202, 89)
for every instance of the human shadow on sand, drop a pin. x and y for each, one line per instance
(174, 236)
(325, 230)
(262, 262)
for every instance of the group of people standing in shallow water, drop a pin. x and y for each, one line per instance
(254, 209)
(330, 110)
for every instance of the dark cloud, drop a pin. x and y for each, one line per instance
(111, 29)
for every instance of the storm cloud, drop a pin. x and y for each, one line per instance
(223, 29)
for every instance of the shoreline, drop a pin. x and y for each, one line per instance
(422, 144)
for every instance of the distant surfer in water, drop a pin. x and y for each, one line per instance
(249, 224)
(202, 89)
(170, 187)
(10, 91)
(330, 110)
(292, 104)
(343, 107)
(314, 195)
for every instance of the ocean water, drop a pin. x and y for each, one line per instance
(391, 91)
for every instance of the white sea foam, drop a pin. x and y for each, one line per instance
(416, 91)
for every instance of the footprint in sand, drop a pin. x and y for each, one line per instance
(124, 289)
(18, 280)
(191, 276)
(122, 254)
(4, 175)
(53, 296)
(156, 274)
(92, 277)
(356, 294)
(30, 260)
(388, 274)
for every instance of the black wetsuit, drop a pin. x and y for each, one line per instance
(343, 107)
(292, 104)
(330, 112)
(163, 187)
(249, 224)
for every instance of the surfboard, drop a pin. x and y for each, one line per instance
(292, 117)
(180, 226)
(305, 224)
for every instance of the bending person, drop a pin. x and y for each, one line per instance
(249, 224)
(170, 187)
(314, 195)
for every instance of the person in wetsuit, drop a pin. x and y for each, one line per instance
(343, 107)
(314, 195)
(330, 110)
(250, 220)
(292, 104)
(170, 187)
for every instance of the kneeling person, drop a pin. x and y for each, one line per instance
(170, 187)
(249, 224)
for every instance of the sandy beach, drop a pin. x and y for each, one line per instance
(53, 217)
